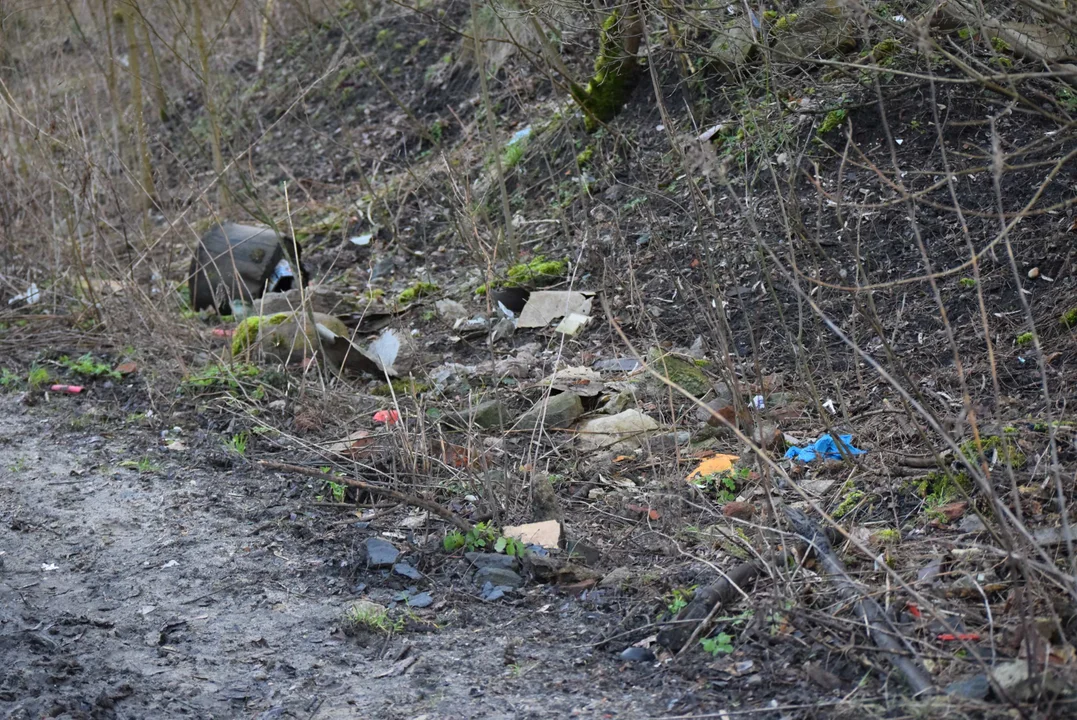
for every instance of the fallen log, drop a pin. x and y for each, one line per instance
(881, 630)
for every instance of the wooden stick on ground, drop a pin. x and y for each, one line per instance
(414, 500)
(881, 630)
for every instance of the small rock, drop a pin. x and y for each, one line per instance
(971, 524)
(617, 365)
(556, 412)
(668, 442)
(738, 510)
(486, 415)
(423, 599)
(407, 571)
(616, 578)
(491, 592)
(491, 560)
(974, 688)
(451, 310)
(498, 577)
(680, 372)
(503, 329)
(766, 434)
(278, 405)
(637, 654)
(621, 432)
(1033, 273)
(380, 553)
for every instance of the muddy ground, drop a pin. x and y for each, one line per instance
(185, 590)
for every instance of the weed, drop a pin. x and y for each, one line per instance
(967, 283)
(238, 443)
(19, 465)
(37, 376)
(480, 537)
(220, 378)
(143, 465)
(994, 446)
(1025, 338)
(832, 121)
(723, 485)
(888, 536)
(88, 367)
(336, 491)
(512, 156)
(678, 599)
(720, 644)
(373, 618)
(1069, 318)
(9, 379)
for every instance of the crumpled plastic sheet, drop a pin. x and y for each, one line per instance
(824, 447)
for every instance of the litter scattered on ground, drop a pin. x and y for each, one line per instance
(824, 447)
(545, 534)
(572, 324)
(622, 432)
(30, 296)
(387, 417)
(716, 464)
(67, 389)
(545, 306)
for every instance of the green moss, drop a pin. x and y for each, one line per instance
(401, 386)
(967, 283)
(417, 291)
(770, 15)
(785, 22)
(999, 44)
(832, 121)
(614, 78)
(247, 331)
(938, 488)
(850, 501)
(888, 536)
(1069, 318)
(585, 155)
(539, 271)
(1025, 338)
(886, 49)
(1005, 447)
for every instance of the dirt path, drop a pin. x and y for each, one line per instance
(182, 591)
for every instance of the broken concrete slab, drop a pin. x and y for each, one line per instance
(545, 534)
(622, 432)
(558, 411)
(545, 306)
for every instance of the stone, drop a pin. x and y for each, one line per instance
(380, 553)
(767, 435)
(422, 600)
(681, 372)
(546, 534)
(486, 415)
(667, 443)
(319, 299)
(498, 577)
(492, 560)
(738, 510)
(637, 654)
(545, 306)
(733, 47)
(622, 432)
(822, 28)
(407, 571)
(451, 310)
(558, 411)
(616, 578)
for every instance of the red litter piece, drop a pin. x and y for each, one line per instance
(69, 389)
(389, 417)
(223, 332)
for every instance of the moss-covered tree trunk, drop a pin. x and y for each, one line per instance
(617, 69)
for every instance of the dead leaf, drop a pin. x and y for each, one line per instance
(718, 464)
(354, 446)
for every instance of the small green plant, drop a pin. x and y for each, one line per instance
(512, 156)
(220, 378)
(9, 379)
(18, 466)
(832, 121)
(336, 490)
(238, 443)
(720, 644)
(1004, 447)
(453, 541)
(967, 283)
(510, 546)
(143, 465)
(678, 599)
(1069, 318)
(373, 618)
(1025, 338)
(37, 376)
(724, 485)
(88, 367)
(481, 537)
